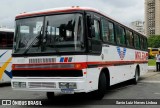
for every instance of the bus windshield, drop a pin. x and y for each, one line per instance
(49, 34)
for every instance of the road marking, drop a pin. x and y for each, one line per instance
(150, 81)
(157, 93)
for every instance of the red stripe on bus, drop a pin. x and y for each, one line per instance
(81, 65)
(51, 11)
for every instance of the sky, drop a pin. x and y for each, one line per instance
(124, 11)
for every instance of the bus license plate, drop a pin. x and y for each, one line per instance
(67, 91)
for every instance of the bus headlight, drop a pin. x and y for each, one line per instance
(19, 84)
(15, 84)
(67, 85)
(22, 84)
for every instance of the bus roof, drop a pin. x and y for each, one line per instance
(6, 30)
(54, 10)
(66, 9)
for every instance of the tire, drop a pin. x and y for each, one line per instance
(102, 85)
(50, 95)
(136, 76)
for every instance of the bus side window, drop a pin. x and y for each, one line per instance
(95, 42)
(6, 40)
(142, 43)
(97, 30)
(111, 33)
(129, 38)
(89, 25)
(3, 40)
(105, 30)
(120, 35)
(145, 44)
(117, 34)
(136, 41)
(10, 40)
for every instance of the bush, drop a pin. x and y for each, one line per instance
(154, 41)
(151, 57)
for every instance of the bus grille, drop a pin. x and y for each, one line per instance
(42, 60)
(41, 85)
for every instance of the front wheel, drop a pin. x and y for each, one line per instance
(102, 85)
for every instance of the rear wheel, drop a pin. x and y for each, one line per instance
(136, 76)
(102, 85)
(50, 95)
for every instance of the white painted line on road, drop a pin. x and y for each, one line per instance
(150, 81)
(157, 93)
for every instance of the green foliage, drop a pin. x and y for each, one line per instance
(151, 62)
(154, 41)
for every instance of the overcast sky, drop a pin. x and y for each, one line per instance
(125, 11)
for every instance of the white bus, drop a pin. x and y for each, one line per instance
(6, 43)
(74, 50)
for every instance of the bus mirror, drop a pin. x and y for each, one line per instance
(90, 20)
(92, 31)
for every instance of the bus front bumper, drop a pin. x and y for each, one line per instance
(58, 85)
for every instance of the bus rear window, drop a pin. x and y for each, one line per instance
(154, 49)
(6, 40)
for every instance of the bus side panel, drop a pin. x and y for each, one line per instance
(92, 79)
(118, 71)
(143, 68)
(6, 74)
(121, 73)
(121, 62)
(5, 66)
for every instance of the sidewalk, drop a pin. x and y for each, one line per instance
(151, 76)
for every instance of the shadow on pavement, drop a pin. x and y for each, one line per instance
(5, 84)
(83, 98)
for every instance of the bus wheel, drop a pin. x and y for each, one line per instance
(136, 76)
(50, 95)
(102, 85)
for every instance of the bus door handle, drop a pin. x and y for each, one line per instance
(105, 45)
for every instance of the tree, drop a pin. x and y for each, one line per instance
(154, 41)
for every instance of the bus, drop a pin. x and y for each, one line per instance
(75, 50)
(6, 43)
(152, 52)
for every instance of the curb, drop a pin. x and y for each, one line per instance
(152, 68)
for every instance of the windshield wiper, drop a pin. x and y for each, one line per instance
(38, 37)
(45, 38)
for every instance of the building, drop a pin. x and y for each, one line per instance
(138, 26)
(152, 17)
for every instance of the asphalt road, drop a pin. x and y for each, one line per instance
(147, 88)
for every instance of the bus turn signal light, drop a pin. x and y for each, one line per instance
(80, 66)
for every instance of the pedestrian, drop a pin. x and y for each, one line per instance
(158, 62)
